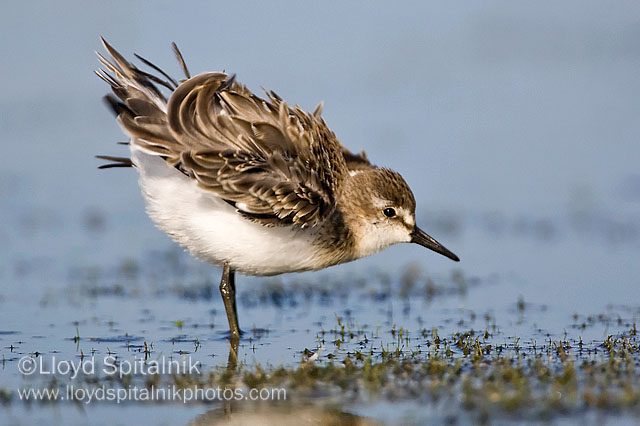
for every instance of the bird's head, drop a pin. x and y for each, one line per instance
(383, 211)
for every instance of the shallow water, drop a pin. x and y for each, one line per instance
(516, 126)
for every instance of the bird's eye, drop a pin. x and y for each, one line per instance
(389, 212)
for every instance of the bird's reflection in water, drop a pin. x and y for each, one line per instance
(232, 360)
(275, 413)
(289, 414)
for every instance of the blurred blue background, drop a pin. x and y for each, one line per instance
(516, 124)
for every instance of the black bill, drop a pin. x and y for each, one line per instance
(418, 236)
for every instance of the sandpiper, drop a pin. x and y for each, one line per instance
(252, 184)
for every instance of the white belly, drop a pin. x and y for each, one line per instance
(212, 230)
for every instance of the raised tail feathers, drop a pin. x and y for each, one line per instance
(116, 161)
(138, 101)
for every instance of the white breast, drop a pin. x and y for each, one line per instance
(213, 230)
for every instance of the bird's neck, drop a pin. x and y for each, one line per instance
(352, 207)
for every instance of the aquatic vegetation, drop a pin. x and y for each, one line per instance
(482, 373)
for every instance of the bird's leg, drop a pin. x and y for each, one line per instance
(228, 292)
